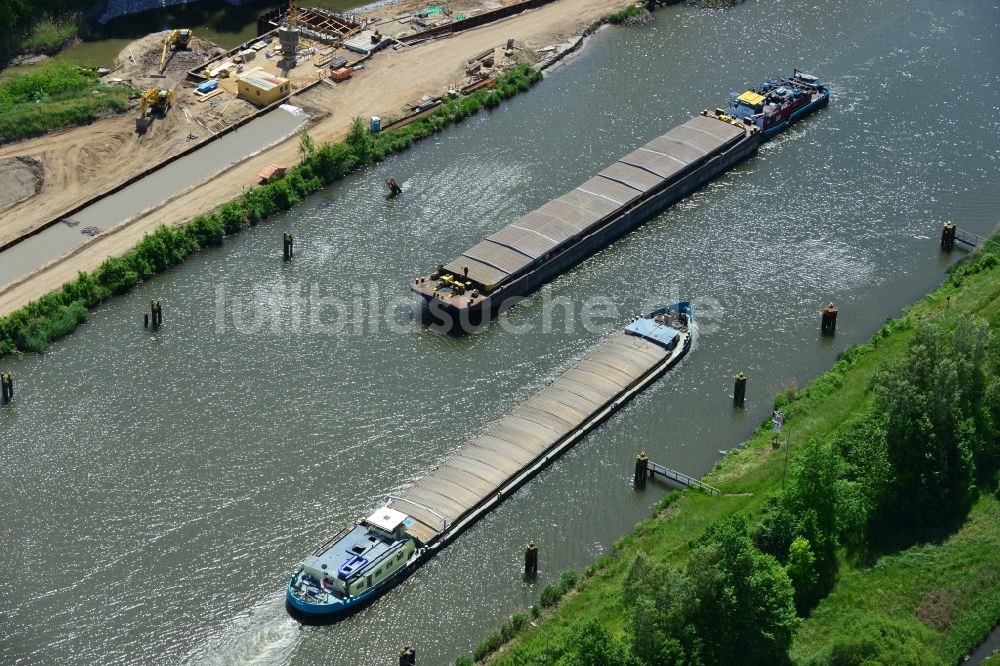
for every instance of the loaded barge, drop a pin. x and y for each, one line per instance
(364, 560)
(463, 295)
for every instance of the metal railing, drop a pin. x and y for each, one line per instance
(394, 498)
(681, 478)
(973, 240)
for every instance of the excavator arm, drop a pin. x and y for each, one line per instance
(179, 38)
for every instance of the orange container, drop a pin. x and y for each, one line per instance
(342, 74)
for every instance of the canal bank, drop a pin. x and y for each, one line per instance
(390, 82)
(211, 511)
(897, 588)
(34, 327)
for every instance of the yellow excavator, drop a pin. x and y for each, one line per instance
(177, 39)
(152, 101)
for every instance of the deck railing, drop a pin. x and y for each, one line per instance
(681, 478)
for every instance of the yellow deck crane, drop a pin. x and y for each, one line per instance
(178, 39)
(152, 101)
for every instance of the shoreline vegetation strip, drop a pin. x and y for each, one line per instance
(35, 326)
(903, 589)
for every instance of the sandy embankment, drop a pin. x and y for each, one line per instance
(390, 80)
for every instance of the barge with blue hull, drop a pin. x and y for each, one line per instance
(365, 560)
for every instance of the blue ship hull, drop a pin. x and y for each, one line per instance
(308, 613)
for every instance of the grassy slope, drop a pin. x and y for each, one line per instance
(952, 587)
(963, 571)
(48, 35)
(52, 96)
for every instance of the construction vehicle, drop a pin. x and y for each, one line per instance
(152, 101)
(177, 39)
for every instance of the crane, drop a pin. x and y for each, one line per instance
(177, 38)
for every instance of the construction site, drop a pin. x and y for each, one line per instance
(393, 63)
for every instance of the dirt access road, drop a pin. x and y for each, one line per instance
(390, 80)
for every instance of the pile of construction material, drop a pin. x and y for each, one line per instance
(140, 60)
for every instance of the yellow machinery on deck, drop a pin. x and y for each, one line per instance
(152, 101)
(177, 39)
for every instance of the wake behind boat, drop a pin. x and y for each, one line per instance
(365, 560)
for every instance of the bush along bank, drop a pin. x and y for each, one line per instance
(35, 326)
(878, 544)
(633, 16)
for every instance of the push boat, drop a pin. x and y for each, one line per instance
(365, 560)
(351, 569)
(777, 103)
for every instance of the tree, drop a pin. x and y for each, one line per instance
(812, 498)
(306, 144)
(929, 436)
(867, 477)
(593, 645)
(801, 570)
(743, 600)
(658, 595)
(977, 367)
(732, 604)
(776, 530)
(359, 139)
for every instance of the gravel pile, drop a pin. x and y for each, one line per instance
(148, 50)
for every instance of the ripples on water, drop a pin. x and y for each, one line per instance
(158, 489)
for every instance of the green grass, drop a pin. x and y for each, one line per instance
(955, 583)
(951, 588)
(48, 35)
(620, 17)
(54, 95)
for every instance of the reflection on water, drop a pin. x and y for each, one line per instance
(159, 489)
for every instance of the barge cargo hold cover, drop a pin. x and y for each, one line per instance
(496, 462)
(465, 293)
(365, 560)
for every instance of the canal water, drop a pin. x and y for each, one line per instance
(158, 489)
